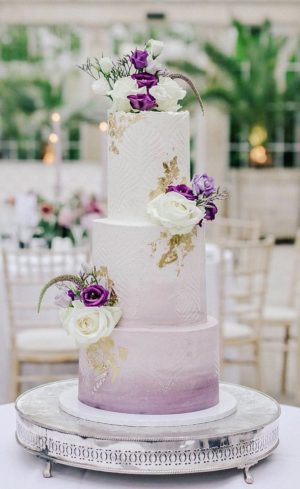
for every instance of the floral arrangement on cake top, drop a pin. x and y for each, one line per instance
(88, 304)
(137, 81)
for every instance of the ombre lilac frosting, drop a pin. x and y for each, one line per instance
(168, 371)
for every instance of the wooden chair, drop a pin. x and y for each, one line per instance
(233, 229)
(242, 293)
(287, 318)
(37, 338)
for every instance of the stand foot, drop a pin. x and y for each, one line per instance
(247, 475)
(47, 472)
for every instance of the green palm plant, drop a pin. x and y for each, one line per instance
(245, 82)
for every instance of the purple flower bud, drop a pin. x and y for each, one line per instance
(145, 79)
(71, 294)
(139, 58)
(210, 211)
(184, 190)
(142, 101)
(94, 296)
(203, 185)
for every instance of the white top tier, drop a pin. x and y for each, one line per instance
(138, 144)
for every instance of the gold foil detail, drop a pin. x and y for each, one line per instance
(178, 246)
(102, 273)
(103, 357)
(117, 126)
(171, 174)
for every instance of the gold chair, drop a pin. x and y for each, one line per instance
(233, 229)
(287, 318)
(242, 293)
(37, 338)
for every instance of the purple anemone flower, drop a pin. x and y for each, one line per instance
(184, 190)
(142, 101)
(94, 296)
(145, 79)
(139, 58)
(203, 185)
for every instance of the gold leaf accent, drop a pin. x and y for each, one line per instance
(117, 127)
(103, 357)
(123, 353)
(178, 246)
(171, 173)
(102, 272)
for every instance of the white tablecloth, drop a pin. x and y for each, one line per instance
(21, 470)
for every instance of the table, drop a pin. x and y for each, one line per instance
(22, 470)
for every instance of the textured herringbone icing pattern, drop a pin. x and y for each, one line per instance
(171, 363)
(149, 294)
(134, 170)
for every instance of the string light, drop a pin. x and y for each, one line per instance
(53, 138)
(48, 157)
(55, 116)
(258, 135)
(103, 126)
(259, 155)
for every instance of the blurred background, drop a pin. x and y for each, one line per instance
(244, 57)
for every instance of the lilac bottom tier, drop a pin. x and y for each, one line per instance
(152, 370)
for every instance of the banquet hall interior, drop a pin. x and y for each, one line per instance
(244, 59)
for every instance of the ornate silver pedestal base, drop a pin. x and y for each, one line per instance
(237, 441)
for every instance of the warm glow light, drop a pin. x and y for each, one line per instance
(55, 117)
(103, 126)
(259, 155)
(53, 138)
(258, 135)
(48, 157)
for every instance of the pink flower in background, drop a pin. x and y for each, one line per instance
(91, 206)
(66, 217)
(88, 219)
(46, 209)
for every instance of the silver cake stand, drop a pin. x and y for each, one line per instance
(237, 441)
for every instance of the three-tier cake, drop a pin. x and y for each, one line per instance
(163, 355)
(138, 313)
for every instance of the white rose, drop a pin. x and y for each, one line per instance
(153, 66)
(154, 47)
(174, 212)
(106, 65)
(122, 88)
(100, 87)
(167, 93)
(88, 324)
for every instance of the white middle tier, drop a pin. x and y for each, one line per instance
(147, 293)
